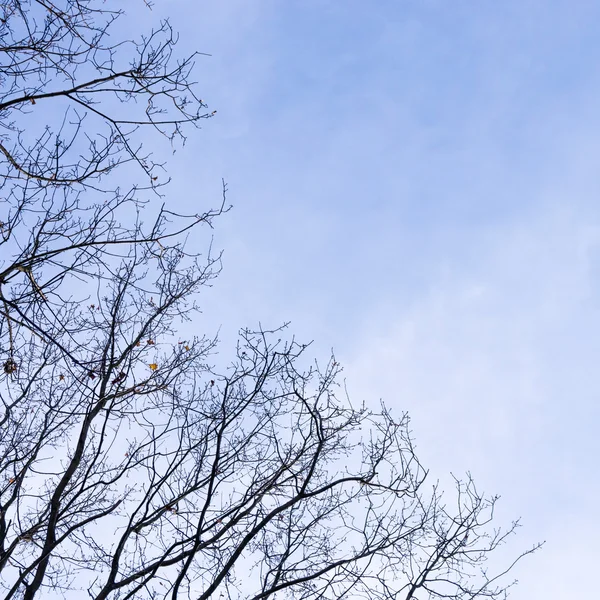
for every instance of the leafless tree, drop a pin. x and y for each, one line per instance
(130, 465)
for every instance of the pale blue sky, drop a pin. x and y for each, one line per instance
(417, 185)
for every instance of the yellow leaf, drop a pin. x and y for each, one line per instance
(153, 366)
(187, 348)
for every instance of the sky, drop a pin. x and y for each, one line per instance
(415, 185)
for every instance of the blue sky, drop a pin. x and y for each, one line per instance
(416, 185)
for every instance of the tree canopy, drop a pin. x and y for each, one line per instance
(132, 465)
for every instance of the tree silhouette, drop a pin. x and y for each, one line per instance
(130, 465)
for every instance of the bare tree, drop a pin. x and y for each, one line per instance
(130, 465)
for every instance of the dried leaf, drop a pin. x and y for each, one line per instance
(153, 366)
(10, 366)
(120, 377)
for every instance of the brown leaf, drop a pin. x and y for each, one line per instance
(120, 377)
(10, 366)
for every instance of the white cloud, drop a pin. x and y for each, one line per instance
(419, 188)
(497, 365)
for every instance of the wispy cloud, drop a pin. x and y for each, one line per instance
(497, 364)
(416, 184)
